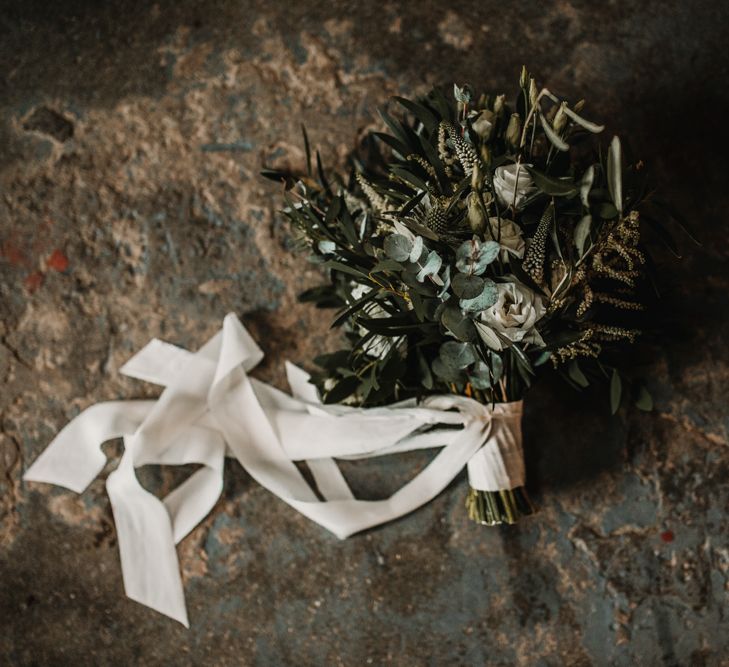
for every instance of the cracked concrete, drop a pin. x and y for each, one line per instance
(131, 137)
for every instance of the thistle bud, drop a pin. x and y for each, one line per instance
(533, 93)
(476, 216)
(513, 131)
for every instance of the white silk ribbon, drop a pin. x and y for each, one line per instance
(210, 407)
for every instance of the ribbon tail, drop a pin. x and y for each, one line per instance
(150, 568)
(346, 517)
(74, 457)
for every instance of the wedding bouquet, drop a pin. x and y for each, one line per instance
(476, 244)
(475, 247)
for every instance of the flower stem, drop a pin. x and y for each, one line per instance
(492, 508)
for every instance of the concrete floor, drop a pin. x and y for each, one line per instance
(131, 135)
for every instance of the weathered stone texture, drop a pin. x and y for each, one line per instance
(131, 136)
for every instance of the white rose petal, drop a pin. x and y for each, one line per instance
(515, 313)
(511, 180)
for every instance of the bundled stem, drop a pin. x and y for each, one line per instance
(491, 508)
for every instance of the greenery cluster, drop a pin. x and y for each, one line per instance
(475, 244)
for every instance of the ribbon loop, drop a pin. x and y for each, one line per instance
(209, 406)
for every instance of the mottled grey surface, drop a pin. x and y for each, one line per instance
(131, 135)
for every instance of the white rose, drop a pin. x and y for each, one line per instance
(513, 316)
(509, 236)
(506, 184)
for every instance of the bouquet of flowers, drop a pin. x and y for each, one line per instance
(475, 247)
(476, 244)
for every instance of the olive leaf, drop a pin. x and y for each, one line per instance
(615, 179)
(553, 137)
(576, 374)
(591, 127)
(582, 232)
(644, 401)
(616, 390)
(557, 187)
(586, 184)
(488, 336)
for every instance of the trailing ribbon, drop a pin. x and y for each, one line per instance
(210, 407)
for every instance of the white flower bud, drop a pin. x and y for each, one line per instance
(476, 217)
(484, 124)
(499, 103)
(513, 131)
(560, 118)
(533, 93)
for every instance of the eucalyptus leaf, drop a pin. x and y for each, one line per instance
(462, 95)
(457, 355)
(497, 365)
(467, 287)
(417, 249)
(445, 372)
(446, 282)
(327, 247)
(398, 247)
(431, 267)
(472, 257)
(458, 324)
(486, 299)
(480, 376)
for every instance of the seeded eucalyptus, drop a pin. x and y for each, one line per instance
(475, 245)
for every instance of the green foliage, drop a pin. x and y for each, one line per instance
(459, 196)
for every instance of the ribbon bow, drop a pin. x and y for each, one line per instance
(210, 407)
